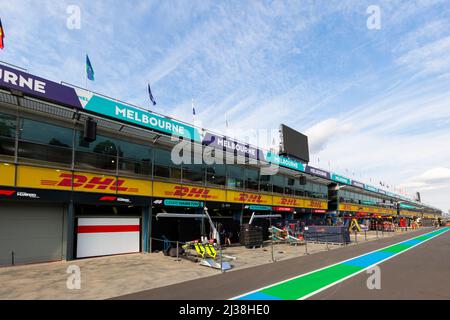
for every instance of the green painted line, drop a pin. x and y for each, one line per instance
(297, 288)
(311, 283)
(397, 248)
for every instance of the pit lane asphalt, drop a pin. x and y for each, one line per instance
(234, 283)
(420, 273)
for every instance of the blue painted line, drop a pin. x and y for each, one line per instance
(259, 296)
(411, 242)
(369, 259)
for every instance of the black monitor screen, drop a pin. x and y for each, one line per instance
(294, 143)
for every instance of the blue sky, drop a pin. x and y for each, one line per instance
(375, 103)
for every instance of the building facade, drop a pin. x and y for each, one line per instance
(63, 197)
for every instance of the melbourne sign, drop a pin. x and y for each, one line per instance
(37, 87)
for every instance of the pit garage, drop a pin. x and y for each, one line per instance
(31, 233)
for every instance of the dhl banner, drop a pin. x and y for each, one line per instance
(43, 178)
(366, 209)
(409, 213)
(250, 198)
(171, 190)
(287, 202)
(7, 174)
(315, 204)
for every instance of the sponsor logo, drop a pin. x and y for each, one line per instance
(83, 182)
(118, 199)
(288, 202)
(191, 192)
(315, 204)
(28, 195)
(283, 209)
(7, 193)
(252, 198)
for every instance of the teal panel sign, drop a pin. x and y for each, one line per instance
(341, 179)
(137, 116)
(260, 208)
(183, 203)
(283, 161)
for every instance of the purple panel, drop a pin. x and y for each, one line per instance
(232, 146)
(317, 172)
(37, 87)
(357, 184)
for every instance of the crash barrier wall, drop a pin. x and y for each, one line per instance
(331, 234)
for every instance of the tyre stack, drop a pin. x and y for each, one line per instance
(251, 236)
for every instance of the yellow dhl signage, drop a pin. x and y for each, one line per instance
(172, 190)
(248, 198)
(365, 209)
(287, 202)
(409, 213)
(315, 204)
(7, 174)
(43, 178)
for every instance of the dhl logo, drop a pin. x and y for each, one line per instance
(288, 202)
(315, 204)
(252, 198)
(78, 181)
(191, 192)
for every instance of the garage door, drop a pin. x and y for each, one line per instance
(107, 236)
(33, 232)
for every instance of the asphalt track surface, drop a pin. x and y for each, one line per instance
(235, 283)
(420, 273)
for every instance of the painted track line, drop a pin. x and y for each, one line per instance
(259, 295)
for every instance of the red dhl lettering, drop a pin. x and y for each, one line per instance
(95, 183)
(288, 201)
(253, 198)
(315, 204)
(193, 192)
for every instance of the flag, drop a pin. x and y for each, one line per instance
(151, 95)
(193, 108)
(89, 69)
(226, 120)
(2, 35)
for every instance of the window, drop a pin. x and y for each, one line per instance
(45, 142)
(265, 183)
(216, 174)
(251, 179)
(7, 134)
(134, 158)
(100, 154)
(164, 167)
(193, 173)
(278, 183)
(235, 177)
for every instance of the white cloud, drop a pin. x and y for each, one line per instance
(325, 131)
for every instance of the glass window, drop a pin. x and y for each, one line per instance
(99, 154)
(265, 183)
(193, 173)
(45, 133)
(278, 183)
(134, 158)
(7, 134)
(251, 179)
(235, 177)
(164, 167)
(45, 142)
(216, 174)
(7, 125)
